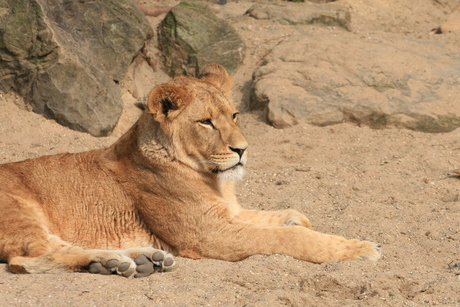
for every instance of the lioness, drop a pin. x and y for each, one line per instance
(164, 188)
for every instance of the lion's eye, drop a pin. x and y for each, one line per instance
(206, 122)
(235, 116)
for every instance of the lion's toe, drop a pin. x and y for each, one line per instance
(158, 261)
(371, 251)
(162, 261)
(98, 268)
(123, 266)
(112, 263)
(127, 267)
(145, 267)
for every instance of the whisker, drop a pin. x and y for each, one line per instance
(214, 169)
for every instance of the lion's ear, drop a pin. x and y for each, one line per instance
(166, 101)
(217, 75)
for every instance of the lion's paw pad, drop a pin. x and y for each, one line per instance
(98, 268)
(159, 261)
(124, 267)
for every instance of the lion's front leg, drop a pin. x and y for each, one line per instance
(287, 217)
(238, 241)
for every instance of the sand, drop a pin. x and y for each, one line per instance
(391, 186)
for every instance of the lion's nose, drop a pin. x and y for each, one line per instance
(239, 151)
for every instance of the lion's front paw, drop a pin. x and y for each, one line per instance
(370, 250)
(295, 218)
(355, 250)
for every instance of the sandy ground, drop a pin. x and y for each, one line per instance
(395, 187)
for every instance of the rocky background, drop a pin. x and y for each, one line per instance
(366, 94)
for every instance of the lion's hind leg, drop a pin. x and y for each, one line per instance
(28, 247)
(62, 257)
(138, 262)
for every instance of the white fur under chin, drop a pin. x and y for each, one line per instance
(233, 174)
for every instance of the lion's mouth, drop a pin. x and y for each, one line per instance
(216, 170)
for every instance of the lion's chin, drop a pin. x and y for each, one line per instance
(232, 174)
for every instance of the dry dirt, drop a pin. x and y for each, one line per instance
(395, 187)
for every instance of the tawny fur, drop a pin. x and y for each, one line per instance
(168, 183)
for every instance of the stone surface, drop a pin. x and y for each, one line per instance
(303, 13)
(78, 96)
(65, 57)
(26, 44)
(404, 82)
(191, 35)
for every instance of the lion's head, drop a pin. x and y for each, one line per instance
(199, 124)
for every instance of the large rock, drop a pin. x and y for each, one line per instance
(191, 36)
(303, 13)
(407, 82)
(65, 57)
(26, 44)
